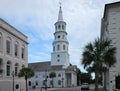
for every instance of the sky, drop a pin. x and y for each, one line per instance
(36, 19)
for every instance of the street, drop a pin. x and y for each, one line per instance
(68, 89)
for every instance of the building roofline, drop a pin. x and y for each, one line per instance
(13, 27)
(109, 5)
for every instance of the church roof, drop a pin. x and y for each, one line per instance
(43, 66)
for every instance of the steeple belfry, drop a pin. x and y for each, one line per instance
(60, 55)
(60, 16)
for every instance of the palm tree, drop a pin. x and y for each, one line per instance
(52, 75)
(26, 73)
(96, 54)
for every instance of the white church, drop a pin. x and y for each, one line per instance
(66, 74)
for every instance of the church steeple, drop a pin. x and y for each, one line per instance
(60, 16)
(60, 55)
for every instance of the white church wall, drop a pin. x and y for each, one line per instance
(41, 76)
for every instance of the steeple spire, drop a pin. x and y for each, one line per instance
(60, 16)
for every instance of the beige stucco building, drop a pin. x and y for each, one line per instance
(13, 56)
(110, 30)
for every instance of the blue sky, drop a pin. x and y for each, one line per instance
(36, 18)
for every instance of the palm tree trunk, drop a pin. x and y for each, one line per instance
(96, 81)
(52, 83)
(104, 81)
(26, 84)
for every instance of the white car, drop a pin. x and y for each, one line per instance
(85, 86)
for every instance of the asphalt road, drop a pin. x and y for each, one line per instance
(68, 89)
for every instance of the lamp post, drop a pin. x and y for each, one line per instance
(13, 74)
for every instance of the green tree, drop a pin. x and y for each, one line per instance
(96, 54)
(26, 73)
(52, 75)
(86, 78)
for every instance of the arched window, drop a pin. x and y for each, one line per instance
(16, 69)
(59, 82)
(8, 45)
(63, 27)
(58, 26)
(16, 49)
(58, 47)
(36, 83)
(59, 75)
(23, 52)
(63, 47)
(1, 43)
(8, 68)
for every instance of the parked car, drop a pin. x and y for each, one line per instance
(85, 86)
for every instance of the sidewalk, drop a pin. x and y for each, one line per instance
(38, 89)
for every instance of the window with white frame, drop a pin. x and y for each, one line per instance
(8, 68)
(16, 49)
(8, 44)
(58, 47)
(23, 52)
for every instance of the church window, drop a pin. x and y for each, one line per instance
(58, 47)
(58, 26)
(63, 47)
(58, 36)
(59, 75)
(58, 55)
(51, 82)
(63, 27)
(59, 82)
(8, 69)
(36, 83)
(58, 60)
